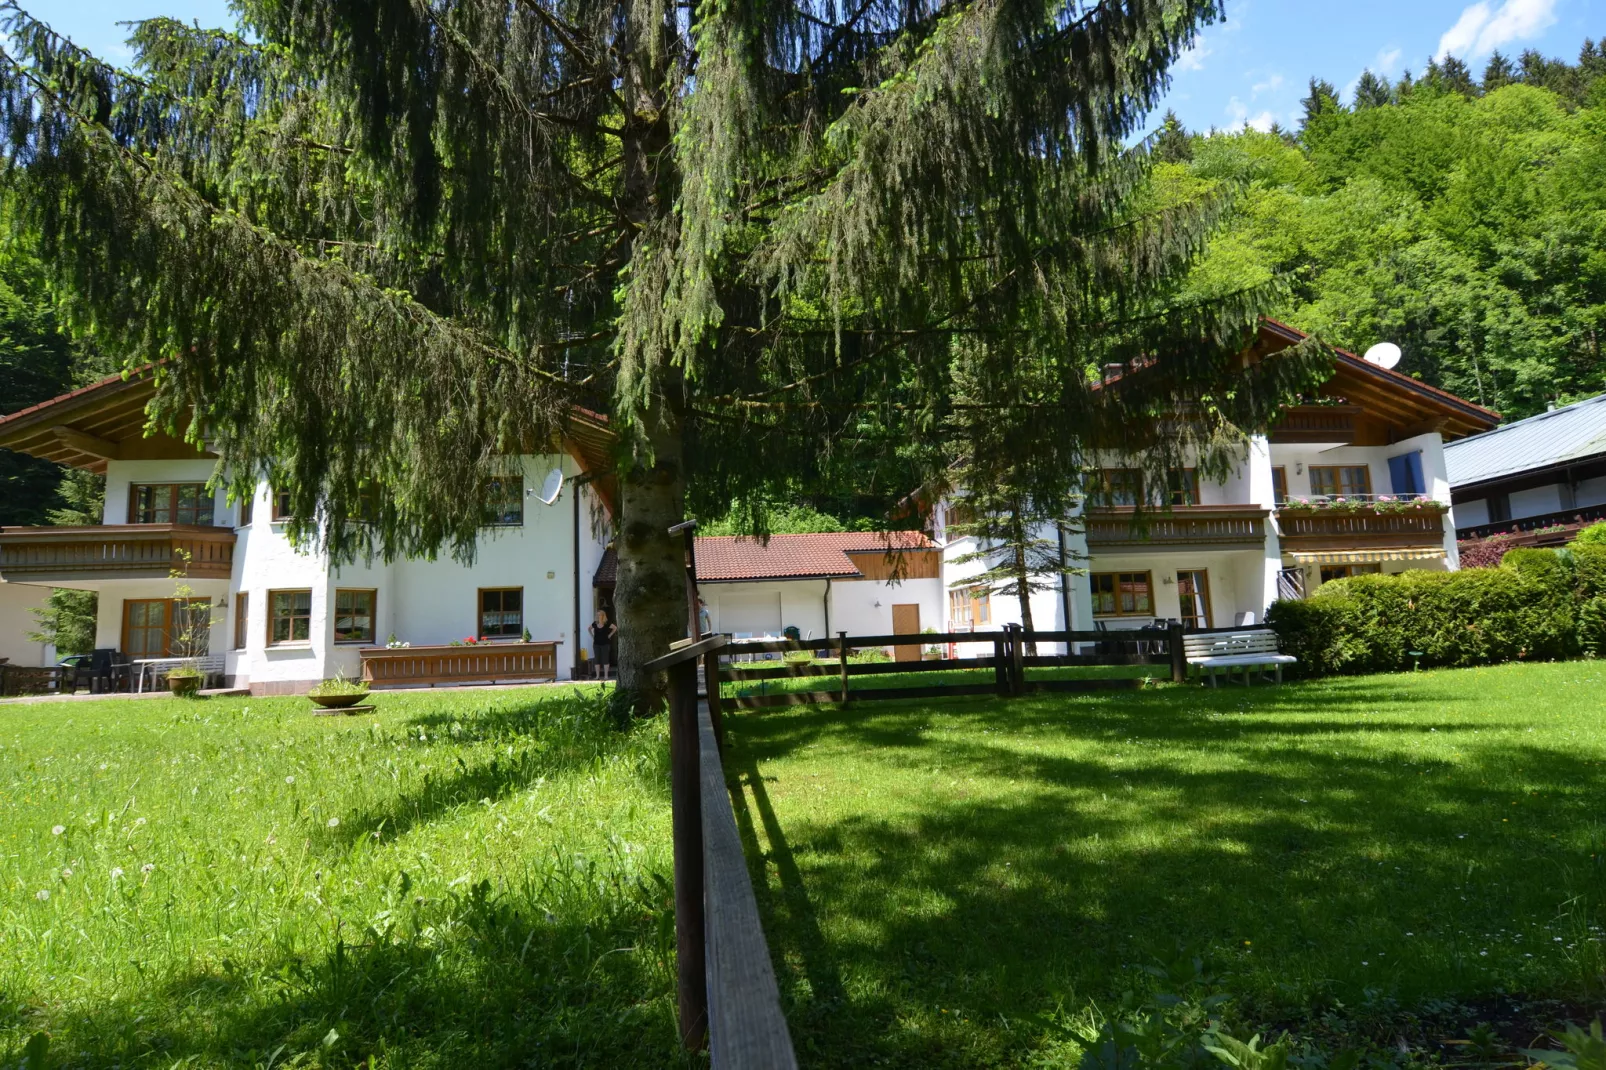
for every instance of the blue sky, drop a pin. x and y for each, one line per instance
(1251, 68)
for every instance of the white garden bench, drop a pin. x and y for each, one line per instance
(1213, 652)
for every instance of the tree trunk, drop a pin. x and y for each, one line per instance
(1023, 591)
(651, 592)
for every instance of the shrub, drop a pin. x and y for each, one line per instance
(1589, 563)
(1594, 535)
(1484, 553)
(1592, 626)
(1524, 610)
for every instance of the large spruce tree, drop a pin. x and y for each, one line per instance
(382, 242)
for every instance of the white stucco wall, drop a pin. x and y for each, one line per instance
(17, 603)
(858, 607)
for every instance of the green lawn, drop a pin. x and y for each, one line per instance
(978, 882)
(459, 879)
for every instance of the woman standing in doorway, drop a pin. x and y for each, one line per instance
(602, 633)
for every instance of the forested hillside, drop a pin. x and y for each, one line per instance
(1463, 218)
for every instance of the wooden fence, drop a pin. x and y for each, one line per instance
(1008, 661)
(29, 680)
(726, 990)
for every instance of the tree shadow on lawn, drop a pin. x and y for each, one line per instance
(1003, 885)
(549, 739)
(478, 980)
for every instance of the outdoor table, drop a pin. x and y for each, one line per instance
(156, 664)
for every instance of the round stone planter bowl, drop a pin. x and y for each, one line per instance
(338, 702)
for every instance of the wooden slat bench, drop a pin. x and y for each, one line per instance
(1250, 649)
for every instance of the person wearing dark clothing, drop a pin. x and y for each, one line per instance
(602, 636)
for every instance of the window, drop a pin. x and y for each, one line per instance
(166, 627)
(1122, 594)
(281, 505)
(501, 612)
(169, 503)
(247, 510)
(504, 502)
(970, 607)
(1279, 484)
(1340, 480)
(1405, 475)
(242, 619)
(1123, 486)
(289, 617)
(1339, 572)
(1499, 508)
(354, 616)
(1182, 486)
(1193, 597)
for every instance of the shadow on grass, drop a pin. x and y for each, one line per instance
(548, 736)
(476, 980)
(1001, 883)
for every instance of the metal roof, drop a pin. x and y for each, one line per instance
(1552, 438)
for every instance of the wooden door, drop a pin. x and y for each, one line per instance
(906, 621)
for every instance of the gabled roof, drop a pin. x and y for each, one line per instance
(1393, 394)
(84, 427)
(1561, 436)
(823, 555)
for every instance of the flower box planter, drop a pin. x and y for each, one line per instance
(474, 663)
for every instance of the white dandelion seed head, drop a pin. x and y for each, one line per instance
(117, 871)
(42, 894)
(67, 872)
(147, 867)
(138, 821)
(334, 822)
(289, 780)
(57, 830)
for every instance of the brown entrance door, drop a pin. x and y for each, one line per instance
(906, 621)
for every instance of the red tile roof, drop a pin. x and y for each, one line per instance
(736, 558)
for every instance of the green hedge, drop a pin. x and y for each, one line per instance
(1538, 605)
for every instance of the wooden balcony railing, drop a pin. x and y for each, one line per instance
(1316, 424)
(1218, 526)
(115, 551)
(1363, 528)
(490, 663)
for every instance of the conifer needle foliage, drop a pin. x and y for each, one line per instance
(383, 242)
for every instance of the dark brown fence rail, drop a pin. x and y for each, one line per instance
(1008, 662)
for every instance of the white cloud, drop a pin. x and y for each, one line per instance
(1388, 60)
(1193, 59)
(1239, 116)
(1482, 29)
(1273, 82)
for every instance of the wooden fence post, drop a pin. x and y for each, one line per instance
(1001, 663)
(716, 715)
(1179, 654)
(1017, 669)
(685, 796)
(842, 660)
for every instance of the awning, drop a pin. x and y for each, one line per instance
(1367, 557)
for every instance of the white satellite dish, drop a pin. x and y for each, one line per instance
(551, 487)
(1384, 354)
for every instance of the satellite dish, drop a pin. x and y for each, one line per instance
(1384, 354)
(551, 487)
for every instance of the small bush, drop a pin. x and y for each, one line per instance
(1594, 535)
(1589, 565)
(1592, 626)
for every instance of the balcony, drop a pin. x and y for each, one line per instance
(1312, 425)
(1361, 526)
(1216, 527)
(115, 552)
